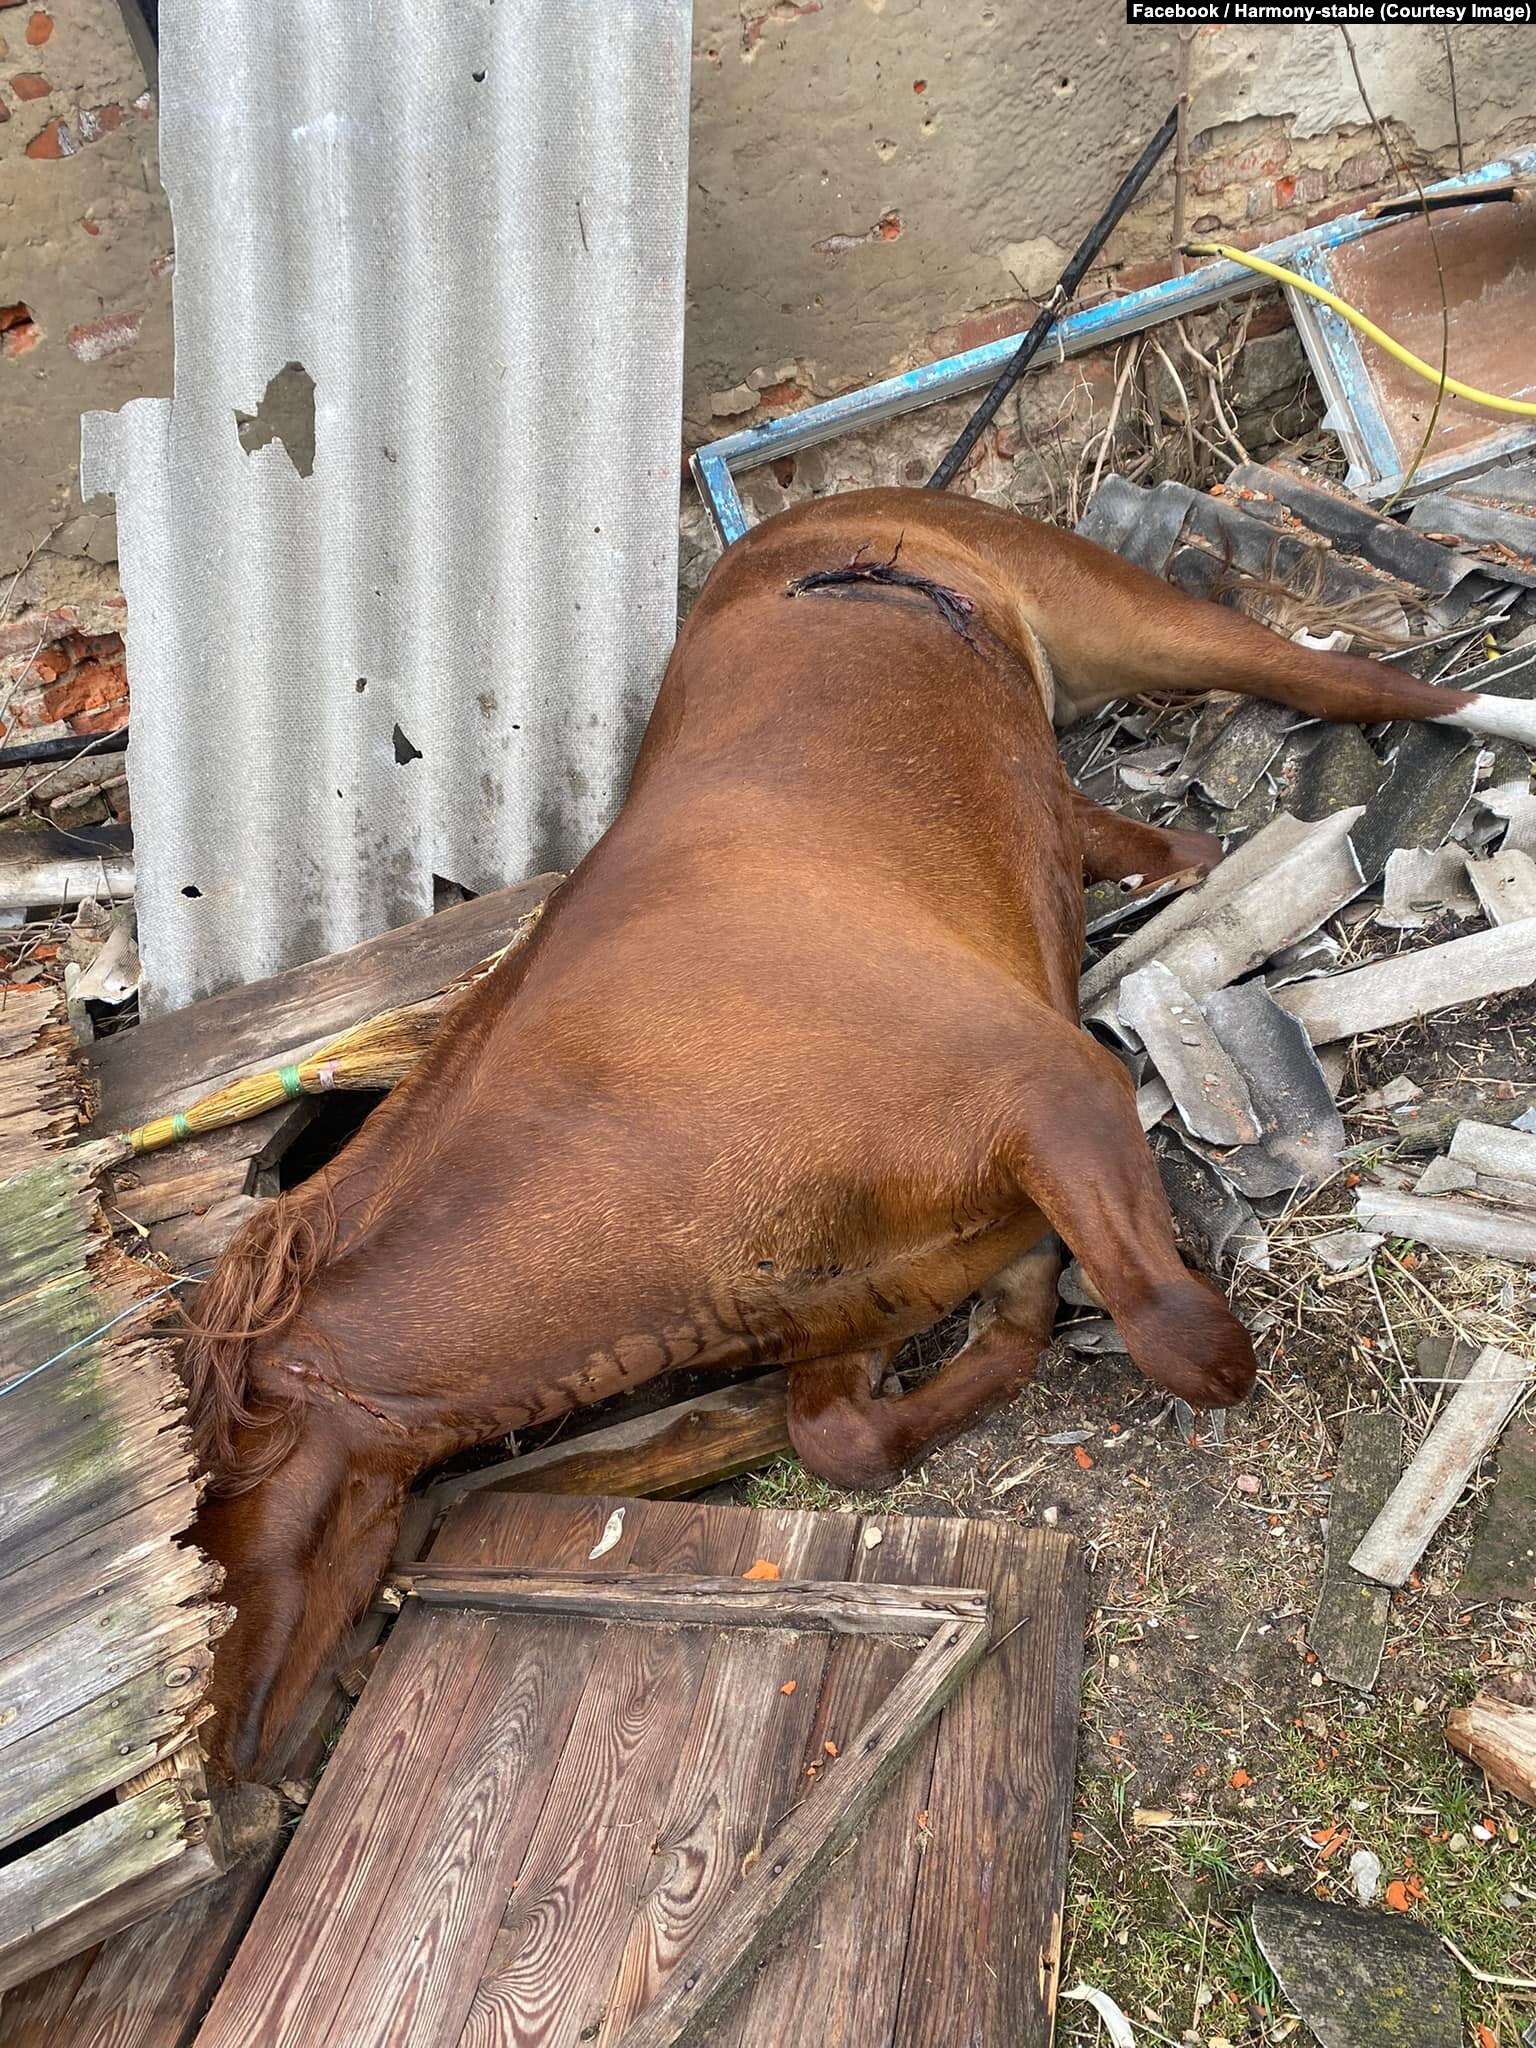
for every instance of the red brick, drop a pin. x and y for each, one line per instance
(116, 794)
(93, 686)
(1311, 186)
(983, 328)
(783, 397)
(109, 336)
(91, 227)
(54, 142)
(39, 28)
(49, 663)
(1135, 277)
(1370, 167)
(30, 85)
(113, 719)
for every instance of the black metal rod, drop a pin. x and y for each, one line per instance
(1066, 285)
(71, 747)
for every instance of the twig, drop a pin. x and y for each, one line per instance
(1450, 65)
(1487, 1976)
(1132, 353)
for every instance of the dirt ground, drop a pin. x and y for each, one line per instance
(1215, 1757)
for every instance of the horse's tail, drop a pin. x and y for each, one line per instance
(255, 1291)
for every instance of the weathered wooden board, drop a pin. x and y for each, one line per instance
(172, 1060)
(1349, 1629)
(105, 1620)
(534, 1819)
(671, 1451)
(1503, 1561)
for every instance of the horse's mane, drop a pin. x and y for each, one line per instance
(255, 1291)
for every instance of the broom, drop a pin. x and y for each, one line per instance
(375, 1054)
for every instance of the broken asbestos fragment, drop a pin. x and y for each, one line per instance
(1391, 991)
(1449, 1225)
(1419, 884)
(1301, 1132)
(1358, 1979)
(1208, 1091)
(1443, 1464)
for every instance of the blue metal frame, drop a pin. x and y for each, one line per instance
(1331, 344)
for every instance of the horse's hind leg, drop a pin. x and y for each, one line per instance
(1114, 847)
(847, 1435)
(1071, 1143)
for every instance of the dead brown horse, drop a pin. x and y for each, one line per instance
(790, 1068)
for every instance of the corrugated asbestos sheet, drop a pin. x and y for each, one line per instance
(400, 554)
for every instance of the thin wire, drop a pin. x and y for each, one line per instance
(181, 1280)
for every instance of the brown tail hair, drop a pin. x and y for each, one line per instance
(256, 1290)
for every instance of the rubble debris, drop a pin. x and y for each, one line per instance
(1237, 754)
(1301, 1132)
(1449, 1225)
(1214, 1221)
(111, 974)
(1502, 1565)
(1505, 886)
(1287, 882)
(1273, 493)
(1387, 992)
(1359, 1979)
(1316, 954)
(1499, 1736)
(1094, 1336)
(1493, 515)
(1393, 1095)
(1514, 803)
(1208, 1091)
(1420, 884)
(1346, 1251)
(1496, 1149)
(1338, 767)
(1348, 1632)
(1426, 791)
(1443, 1464)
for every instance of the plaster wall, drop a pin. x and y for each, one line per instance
(873, 182)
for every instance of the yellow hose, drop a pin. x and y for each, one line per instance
(1405, 356)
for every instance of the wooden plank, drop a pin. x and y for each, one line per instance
(172, 1060)
(149, 1986)
(982, 1960)
(698, 1602)
(590, 1851)
(1499, 1736)
(298, 1959)
(74, 1759)
(1349, 1629)
(820, 1968)
(34, 2014)
(142, 1626)
(743, 1764)
(1443, 1464)
(721, 1959)
(676, 1450)
(41, 1894)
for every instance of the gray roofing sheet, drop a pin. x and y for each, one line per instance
(433, 654)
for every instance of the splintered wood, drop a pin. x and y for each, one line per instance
(105, 1620)
(590, 1826)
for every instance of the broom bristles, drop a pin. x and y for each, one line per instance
(377, 1053)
